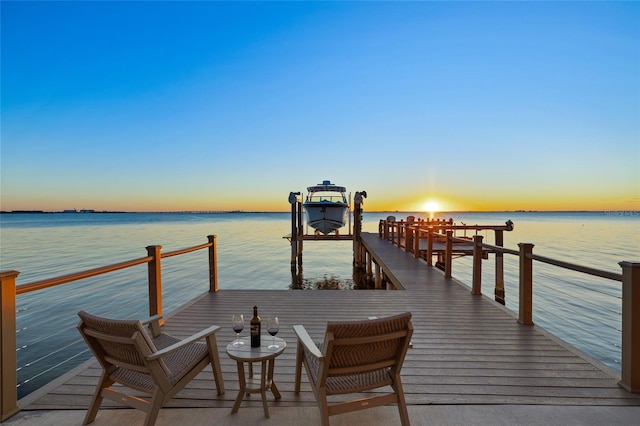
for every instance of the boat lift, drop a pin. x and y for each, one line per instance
(298, 234)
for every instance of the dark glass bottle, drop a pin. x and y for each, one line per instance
(255, 328)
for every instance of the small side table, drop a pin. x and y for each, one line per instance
(246, 353)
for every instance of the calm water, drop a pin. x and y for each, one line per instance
(252, 253)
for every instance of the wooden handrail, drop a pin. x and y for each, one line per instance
(423, 225)
(186, 250)
(629, 278)
(500, 249)
(52, 282)
(9, 291)
(579, 268)
(560, 263)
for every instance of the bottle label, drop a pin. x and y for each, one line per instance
(255, 335)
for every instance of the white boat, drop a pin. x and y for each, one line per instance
(326, 207)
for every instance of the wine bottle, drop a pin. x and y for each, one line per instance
(255, 328)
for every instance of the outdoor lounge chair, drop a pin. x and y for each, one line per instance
(356, 356)
(148, 361)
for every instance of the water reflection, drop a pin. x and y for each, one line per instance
(360, 281)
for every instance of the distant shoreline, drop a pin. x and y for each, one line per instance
(80, 212)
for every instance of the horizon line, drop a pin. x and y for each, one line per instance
(92, 211)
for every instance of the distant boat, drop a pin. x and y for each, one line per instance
(326, 207)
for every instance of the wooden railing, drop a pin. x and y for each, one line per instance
(9, 291)
(408, 235)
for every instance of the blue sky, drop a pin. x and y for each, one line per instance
(173, 106)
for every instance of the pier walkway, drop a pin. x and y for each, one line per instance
(471, 362)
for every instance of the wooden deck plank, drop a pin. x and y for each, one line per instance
(466, 349)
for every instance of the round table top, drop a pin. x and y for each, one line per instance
(261, 353)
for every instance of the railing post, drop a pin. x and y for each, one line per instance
(358, 248)
(213, 264)
(294, 232)
(448, 257)
(526, 284)
(299, 237)
(630, 326)
(8, 355)
(155, 280)
(499, 290)
(407, 232)
(476, 287)
(393, 232)
(430, 246)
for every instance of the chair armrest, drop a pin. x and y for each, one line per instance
(154, 324)
(151, 319)
(305, 340)
(182, 343)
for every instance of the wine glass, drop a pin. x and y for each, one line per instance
(273, 327)
(238, 326)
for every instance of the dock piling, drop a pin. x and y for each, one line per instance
(296, 242)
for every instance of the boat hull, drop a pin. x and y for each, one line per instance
(326, 217)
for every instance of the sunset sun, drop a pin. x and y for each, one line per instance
(431, 206)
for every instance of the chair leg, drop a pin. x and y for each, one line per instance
(215, 363)
(298, 373)
(402, 405)
(321, 396)
(154, 408)
(96, 401)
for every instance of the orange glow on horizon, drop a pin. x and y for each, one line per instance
(487, 202)
(409, 200)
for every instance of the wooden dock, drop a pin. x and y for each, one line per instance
(467, 350)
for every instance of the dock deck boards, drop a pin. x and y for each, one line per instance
(466, 349)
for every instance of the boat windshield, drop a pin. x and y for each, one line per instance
(332, 198)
